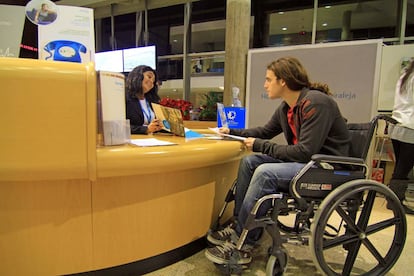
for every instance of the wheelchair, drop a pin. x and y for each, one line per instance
(330, 202)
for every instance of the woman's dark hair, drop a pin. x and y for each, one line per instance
(407, 72)
(294, 74)
(133, 84)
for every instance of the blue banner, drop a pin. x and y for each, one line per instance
(234, 116)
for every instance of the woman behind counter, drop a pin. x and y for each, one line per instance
(142, 90)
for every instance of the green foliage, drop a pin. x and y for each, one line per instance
(208, 110)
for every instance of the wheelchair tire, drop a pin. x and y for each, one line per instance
(275, 266)
(342, 254)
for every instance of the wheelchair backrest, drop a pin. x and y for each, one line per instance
(360, 138)
(362, 134)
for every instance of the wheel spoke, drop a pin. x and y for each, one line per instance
(368, 244)
(351, 257)
(349, 221)
(360, 227)
(366, 210)
(371, 229)
(346, 238)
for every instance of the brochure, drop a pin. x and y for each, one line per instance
(150, 142)
(234, 137)
(171, 118)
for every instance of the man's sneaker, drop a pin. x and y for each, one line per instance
(228, 253)
(408, 207)
(408, 211)
(221, 236)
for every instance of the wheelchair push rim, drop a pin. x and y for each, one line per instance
(357, 249)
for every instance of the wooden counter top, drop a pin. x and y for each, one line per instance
(186, 154)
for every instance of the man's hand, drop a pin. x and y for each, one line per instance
(249, 142)
(224, 130)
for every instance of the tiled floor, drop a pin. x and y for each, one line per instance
(300, 260)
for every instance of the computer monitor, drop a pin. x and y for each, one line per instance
(139, 56)
(109, 61)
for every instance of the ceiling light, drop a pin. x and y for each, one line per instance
(324, 24)
(284, 29)
(327, 7)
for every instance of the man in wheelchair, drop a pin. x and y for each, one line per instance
(311, 123)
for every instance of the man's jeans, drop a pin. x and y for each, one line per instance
(260, 175)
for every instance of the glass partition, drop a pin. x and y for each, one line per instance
(333, 23)
(290, 27)
(202, 64)
(359, 20)
(205, 37)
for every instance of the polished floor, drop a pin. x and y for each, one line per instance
(300, 258)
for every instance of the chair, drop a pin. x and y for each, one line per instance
(331, 200)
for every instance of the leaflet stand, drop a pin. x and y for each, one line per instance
(113, 128)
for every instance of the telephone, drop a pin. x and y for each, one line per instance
(65, 50)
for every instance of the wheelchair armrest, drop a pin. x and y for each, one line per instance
(337, 159)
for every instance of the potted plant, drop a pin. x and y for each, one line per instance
(208, 110)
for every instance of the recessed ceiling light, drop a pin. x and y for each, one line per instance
(175, 40)
(324, 24)
(281, 12)
(284, 29)
(327, 7)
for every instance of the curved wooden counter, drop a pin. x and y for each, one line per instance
(67, 206)
(147, 201)
(143, 203)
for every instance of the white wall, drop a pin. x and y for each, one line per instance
(351, 69)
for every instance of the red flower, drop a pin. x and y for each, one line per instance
(183, 105)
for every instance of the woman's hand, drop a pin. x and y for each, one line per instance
(154, 126)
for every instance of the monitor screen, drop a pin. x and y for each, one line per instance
(109, 61)
(139, 56)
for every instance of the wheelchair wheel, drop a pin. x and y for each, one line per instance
(363, 244)
(276, 266)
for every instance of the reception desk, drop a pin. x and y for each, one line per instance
(147, 201)
(69, 206)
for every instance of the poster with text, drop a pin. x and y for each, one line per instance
(66, 33)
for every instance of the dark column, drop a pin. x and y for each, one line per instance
(261, 26)
(186, 50)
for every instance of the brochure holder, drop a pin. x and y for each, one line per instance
(116, 132)
(113, 128)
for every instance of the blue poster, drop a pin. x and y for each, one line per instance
(231, 117)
